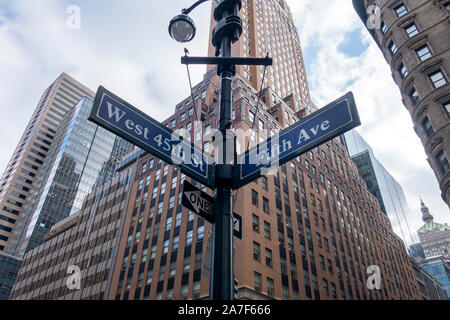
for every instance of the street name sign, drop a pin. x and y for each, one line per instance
(325, 124)
(120, 117)
(198, 201)
(237, 225)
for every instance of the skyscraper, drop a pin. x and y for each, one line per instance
(87, 157)
(380, 182)
(268, 28)
(50, 116)
(413, 37)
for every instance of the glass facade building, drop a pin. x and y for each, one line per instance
(440, 270)
(9, 267)
(86, 158)
(379, 181)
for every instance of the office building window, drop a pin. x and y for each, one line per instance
(267, 230)
(443, 161)
(411, 30)
(270, 286)
(251, 116)
(254, 198)
(257, 278)
(255, 220)
(256, 251)
(264, 183)
(414, 95)
(266, 205)
(392, 47)
(207, 129)
(383, 27)
(268, 257)
(401, 10)
(402, 70)
(438, 79)
(427, 126)
(325, 287)
(446, 106)
(424, 53)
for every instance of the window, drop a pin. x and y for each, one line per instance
(443, 161)
(438, 79)
(447, 6)
(446, 106)
(383, 27)
(189, 237)
(264, 183)
(254, 198)
(414, 96)
(251, 116)
(257, 278)
(427, 126)
(266, 205)
(325, 287)
(322, 261)
(255, 220)
(261, 125)
(187, 264)
(401, 10)
(256, 251)
(402, 70)
(268, 257)
(411, 30)
(392, 47)
(267, 230)
(207, 129)
(424, 53)
(200, 233)
(270, 286)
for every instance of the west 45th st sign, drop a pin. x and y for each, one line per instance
(126, 121)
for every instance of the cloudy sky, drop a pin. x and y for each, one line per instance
(125, 46)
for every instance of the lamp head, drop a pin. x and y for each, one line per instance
(182, 28)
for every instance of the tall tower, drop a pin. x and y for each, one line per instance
(413, 37)
(268, 28)
(42, 132)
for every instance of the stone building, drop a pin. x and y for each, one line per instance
(413, 36)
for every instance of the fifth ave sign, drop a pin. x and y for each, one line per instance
(329, 122)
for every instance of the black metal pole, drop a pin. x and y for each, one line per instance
(222, 268)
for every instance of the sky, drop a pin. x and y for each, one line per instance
(125, 46)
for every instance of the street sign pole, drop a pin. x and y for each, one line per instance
(222, 250)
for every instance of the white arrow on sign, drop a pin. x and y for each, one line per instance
(236, 225)
(199, 203)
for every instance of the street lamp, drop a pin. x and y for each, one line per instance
(182, 28)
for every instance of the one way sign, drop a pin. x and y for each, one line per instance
(198, 201)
